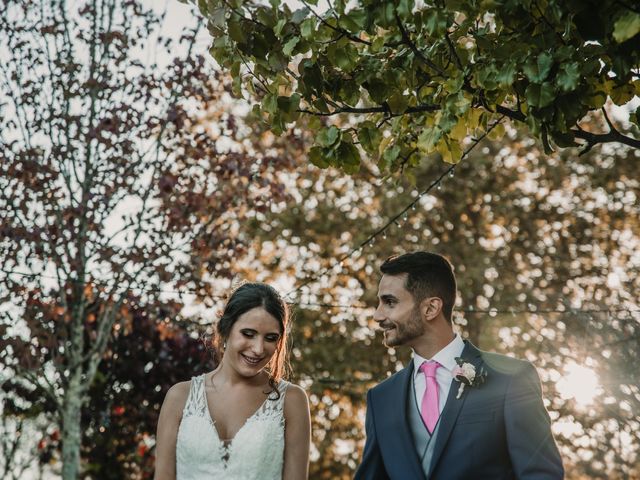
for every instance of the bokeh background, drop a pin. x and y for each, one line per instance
(159, 191)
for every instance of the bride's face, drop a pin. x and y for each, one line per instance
(252, 342)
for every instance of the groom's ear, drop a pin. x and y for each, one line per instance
(430, 308)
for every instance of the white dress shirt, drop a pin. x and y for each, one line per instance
(447, 360)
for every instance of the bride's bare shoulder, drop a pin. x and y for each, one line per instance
(177, 395)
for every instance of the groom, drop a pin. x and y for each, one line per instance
(454, 412)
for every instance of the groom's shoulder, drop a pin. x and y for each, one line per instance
(505, 364)
(391, 382)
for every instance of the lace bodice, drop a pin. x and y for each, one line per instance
(256, 452)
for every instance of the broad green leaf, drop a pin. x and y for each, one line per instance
(270, 103)
(390, 155)
(459, 132)
(622, 94)
(279, 26)
(398, 102)
(537, 70)
(236, 31)
(369, 136)
(307, 28)
(349, 157)
(288, 47)
(267, 16)
(450, 151)
(317, 157)
(428, 139)
(507, 74)
(435, 22)
(355, 20)
(568, 77)
(540, 96)
(378, 44)
(496, 132)
(596, 100)
(626, 27)
(300, 15)
(327, 137)
(289, 104)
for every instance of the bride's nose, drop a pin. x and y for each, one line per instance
(258, 346)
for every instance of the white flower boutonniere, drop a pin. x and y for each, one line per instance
(466, 374)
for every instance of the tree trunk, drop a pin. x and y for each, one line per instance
(71, 426)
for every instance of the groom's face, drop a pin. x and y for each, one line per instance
(397, 314)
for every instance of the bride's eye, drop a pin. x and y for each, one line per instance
(248, 333)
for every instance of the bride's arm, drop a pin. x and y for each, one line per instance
(297, 434)
(168, 423)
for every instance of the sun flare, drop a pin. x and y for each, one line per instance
(579, 383)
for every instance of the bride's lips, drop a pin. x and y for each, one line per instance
(253, 361)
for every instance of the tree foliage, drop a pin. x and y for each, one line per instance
(407, 79)
(111, 191)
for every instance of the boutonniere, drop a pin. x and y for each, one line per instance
(466, 374)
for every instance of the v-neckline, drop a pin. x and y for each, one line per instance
(227, 442)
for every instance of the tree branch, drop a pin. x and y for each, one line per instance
(338, 29)
(380, 109)
(414, 48)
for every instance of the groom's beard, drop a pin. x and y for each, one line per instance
(406, 331)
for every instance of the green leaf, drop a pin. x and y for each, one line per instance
(378, 44)
(236, 31)
(450, 151)
(355, 20)
(568, 77)
(289, 104)
(626, 27)
(308, 28)
(300, 15)
(507, 74)
(348, 157)
(398, 102)
(390, 155)
(369, 137)
(538, 70)
(328, 136)
(428, 139)
(317, 157)
(288, 47)
(540, 96)
(279, 26)
(596, 100)
(435, 21)
(621, 94)
(270, 103)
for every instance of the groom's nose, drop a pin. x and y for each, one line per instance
(378, 316)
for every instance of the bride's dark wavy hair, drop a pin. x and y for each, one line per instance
(247, 297)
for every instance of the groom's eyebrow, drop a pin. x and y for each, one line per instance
(387, 297)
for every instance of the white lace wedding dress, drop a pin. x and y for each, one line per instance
(256, 452)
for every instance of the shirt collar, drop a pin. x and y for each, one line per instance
(445, 357)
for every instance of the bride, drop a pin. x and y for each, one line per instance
(241, 421)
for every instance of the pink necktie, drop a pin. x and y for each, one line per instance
(430, 410)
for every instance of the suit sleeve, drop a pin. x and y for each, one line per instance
(532, 449)
(372, 466)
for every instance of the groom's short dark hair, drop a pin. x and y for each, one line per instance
(428, 274)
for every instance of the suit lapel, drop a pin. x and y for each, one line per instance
(397, 429)
(453, 406)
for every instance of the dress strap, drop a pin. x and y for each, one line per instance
(195, 405)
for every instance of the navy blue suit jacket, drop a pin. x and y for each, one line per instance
(497, 430)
